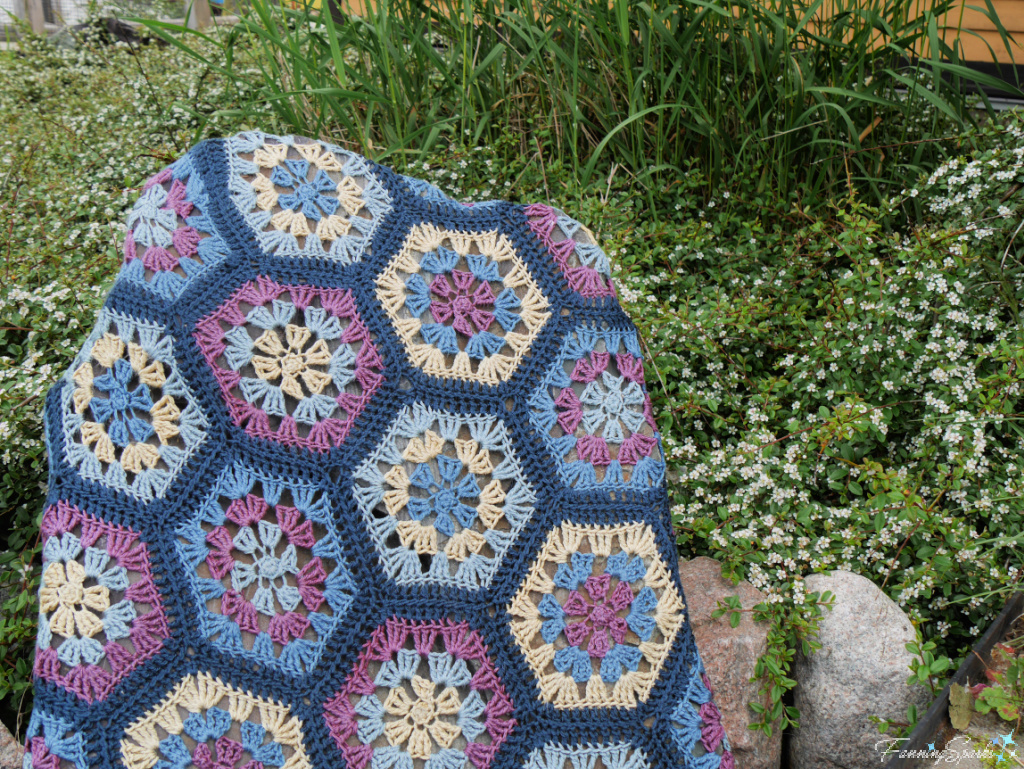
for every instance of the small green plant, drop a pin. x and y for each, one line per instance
(927, 668)
(788, 632)
(1004, 694)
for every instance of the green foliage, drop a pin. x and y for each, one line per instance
(788, 632)
(836, 394)
(926, 668)
(1005, 693)
(816, 99)
(896, 728)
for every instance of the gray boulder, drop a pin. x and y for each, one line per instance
(729, 655)
(860, 671)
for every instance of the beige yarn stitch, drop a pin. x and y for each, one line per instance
(197, 694)
(533, 314)
(635, 539)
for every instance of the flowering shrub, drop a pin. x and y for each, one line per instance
(835, 395)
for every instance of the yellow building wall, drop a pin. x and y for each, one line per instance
(978, 32)
(979, 36)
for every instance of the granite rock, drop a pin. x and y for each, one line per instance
(860, 671)
(11, 751)
(729, 655)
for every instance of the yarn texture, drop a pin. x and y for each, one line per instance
(351, 475)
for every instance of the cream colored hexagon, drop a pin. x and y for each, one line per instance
(463, 303)
(597, 615)
(203, 715)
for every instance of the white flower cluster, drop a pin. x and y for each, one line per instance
(854, 408)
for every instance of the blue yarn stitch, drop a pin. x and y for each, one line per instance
(432, 194)
(347, 249)
(580, 474)
(685, 722)
(61, 739)
(444, 493)
(212, 250)
(555, 755)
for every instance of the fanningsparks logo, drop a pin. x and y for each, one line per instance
(1000, 749)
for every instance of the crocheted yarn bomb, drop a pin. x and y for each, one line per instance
(350, 475)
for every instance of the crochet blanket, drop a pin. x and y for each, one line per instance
(349, 474)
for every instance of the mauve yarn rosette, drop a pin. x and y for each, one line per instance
(350, 474)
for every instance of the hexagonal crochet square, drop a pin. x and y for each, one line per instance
(352, 475)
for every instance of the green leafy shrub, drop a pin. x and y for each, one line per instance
(839, 395)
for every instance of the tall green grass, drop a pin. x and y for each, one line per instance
(817, 99)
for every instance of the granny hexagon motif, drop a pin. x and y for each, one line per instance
(351, 474)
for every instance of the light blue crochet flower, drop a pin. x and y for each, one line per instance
(268, 571)
(610, 403)
(307, 196)
(450, 519)
(121, 404)
(149, 222)
(446, 494)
